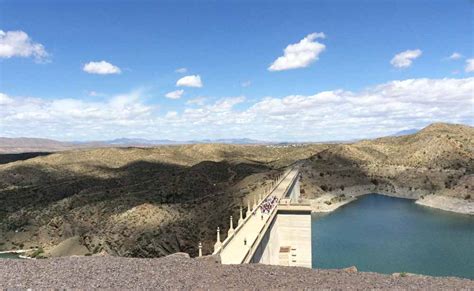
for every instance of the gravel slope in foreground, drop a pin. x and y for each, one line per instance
(179, 272)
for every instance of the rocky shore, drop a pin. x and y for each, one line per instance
(332, 201)
(178, 271)
(448, 204)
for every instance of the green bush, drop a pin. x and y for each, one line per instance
(37, 252)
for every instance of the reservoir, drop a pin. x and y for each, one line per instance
(9, 256)
(387, 235)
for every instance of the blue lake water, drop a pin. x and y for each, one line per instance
(9, 256)
(387, 235)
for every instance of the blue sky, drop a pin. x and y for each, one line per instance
(348, 55)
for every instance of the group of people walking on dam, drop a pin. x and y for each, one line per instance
(267, 205)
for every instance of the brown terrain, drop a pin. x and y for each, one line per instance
(178, 272)
(151, 202)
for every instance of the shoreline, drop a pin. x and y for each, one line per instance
(445, 203)
(319, 205)
(16, 251)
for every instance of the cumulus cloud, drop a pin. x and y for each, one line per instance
(175, 94)
(19, 44)
(405, 59)
(197, 101)
(327, 115)
(181, 70)
(79, 119)
(455, 56)
(301, 54)
(5, 100)
(101, 68)
(190, 81)
(469, 65)
(171, 114)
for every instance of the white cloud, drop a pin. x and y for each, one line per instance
(405, 59)
(469, 65)
(455, 56)
(246, 84)
(5, 100)
(301, 54)
(181, 70)
(101, 68)
(197, 101)
(190, 81)
(19, 44)
(328, 115)
(96, 94)
(74, 117)
(171, 114)
(175, 94)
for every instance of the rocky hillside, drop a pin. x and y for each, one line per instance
(437, 160)
(150, 202)
(132, 201)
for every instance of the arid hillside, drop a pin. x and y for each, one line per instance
(150, 202)
(143, 202)
(437, 160)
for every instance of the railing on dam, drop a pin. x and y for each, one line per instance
(242, 241)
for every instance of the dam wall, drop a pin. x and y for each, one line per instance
(287, 241)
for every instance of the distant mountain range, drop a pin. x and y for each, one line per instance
(22, 144)
(406, 132)
(141, 141)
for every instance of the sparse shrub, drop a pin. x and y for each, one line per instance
(324, 187)
(37, 252)
(342, 187)
(467, 197)
(374, 181)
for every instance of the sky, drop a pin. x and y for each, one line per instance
(266, 70)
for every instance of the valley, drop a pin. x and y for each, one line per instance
(154, 201)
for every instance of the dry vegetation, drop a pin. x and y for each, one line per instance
(149, 202)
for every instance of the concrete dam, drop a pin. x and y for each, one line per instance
(276, 229)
